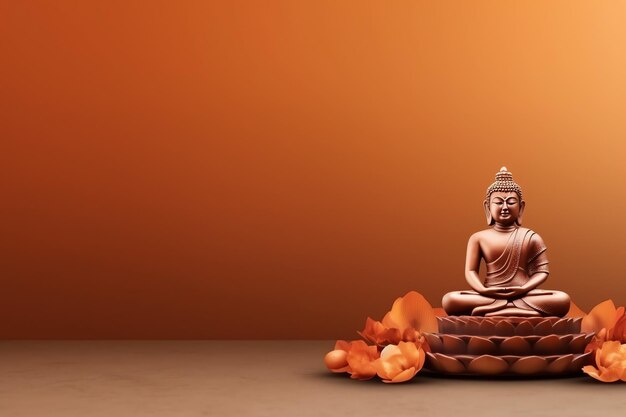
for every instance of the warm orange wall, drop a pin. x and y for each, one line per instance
(283, 169)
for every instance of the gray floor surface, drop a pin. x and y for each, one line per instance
(259, 378)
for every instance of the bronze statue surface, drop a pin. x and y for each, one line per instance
(515, 259)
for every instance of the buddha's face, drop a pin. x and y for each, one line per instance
(505, 207)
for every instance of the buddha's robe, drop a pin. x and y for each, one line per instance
(524, 255)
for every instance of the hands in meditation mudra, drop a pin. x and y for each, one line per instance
(515, 259)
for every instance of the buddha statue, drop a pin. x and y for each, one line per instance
(515, 259)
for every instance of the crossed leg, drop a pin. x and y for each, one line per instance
(464, 303)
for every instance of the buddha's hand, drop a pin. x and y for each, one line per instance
(495, 292)
(503, 292)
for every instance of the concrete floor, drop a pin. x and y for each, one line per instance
(258, 378)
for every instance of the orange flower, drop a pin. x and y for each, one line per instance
(356, 358)
(412, 335)
(378, 334)
(400, 363)
(411, 311)
(597, 341)
(409, 316)
(608, 323)
(382, 336)
(610, 362)
(361, 359)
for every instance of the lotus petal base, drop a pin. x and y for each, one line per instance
(493, 346)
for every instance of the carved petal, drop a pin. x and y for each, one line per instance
(473, 327)
(529, 365)
(560, 327)
(446, 325)
(565, 339)
(487, 327)
(510, 359)
(560, 364)
(460, 325)
(481, 346)
(434, 342)
(579, 361)
(515, 345)
(548, 345)
(465, 359)
(449, 364)
(524, 329)
(432, 363)
(577, 344)
(452, 344)
(543, 328)
(488, 365)
(504, 328)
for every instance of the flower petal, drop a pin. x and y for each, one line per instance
(618, 332)
(412, 310)
(363, 371)
(403, 376)
(342, 344)
(378, 334)
(610, 361)
(400, 363)
(361, 358)
(386, 369)
(601, 316)
(591, 371)
(409, 351)
(390, 350)
(597, 341)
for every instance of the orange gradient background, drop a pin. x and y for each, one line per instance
(284, 169)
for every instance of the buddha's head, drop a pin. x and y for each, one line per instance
(504, 204)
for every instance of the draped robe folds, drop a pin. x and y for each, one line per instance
(524, 256)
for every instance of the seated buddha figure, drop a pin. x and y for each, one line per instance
(515, 260)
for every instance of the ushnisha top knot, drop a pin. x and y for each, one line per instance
(504, 183)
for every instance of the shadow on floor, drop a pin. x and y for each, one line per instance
(431, 378)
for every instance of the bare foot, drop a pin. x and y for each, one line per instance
(496, 306)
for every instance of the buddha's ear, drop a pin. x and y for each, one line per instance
(488, 212)
(522, 204)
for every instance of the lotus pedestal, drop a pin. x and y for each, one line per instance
(537, 346)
